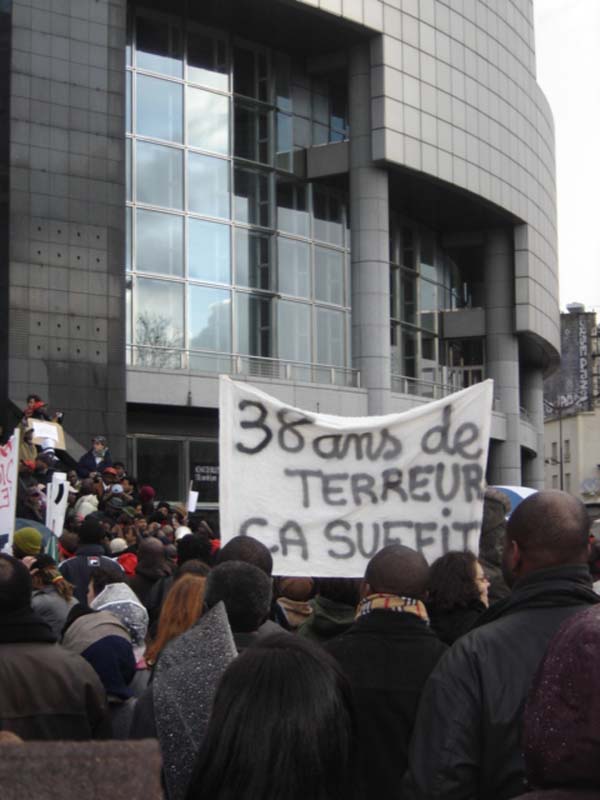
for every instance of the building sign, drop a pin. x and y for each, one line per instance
(325, 493)
(571, 387)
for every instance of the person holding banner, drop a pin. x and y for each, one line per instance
(467, 738)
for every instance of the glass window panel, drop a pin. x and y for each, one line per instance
(329, 275)
(252, 259)
(158, 46)
(293, 326)
(408, 250)
(320, 104)
(204, 470)
(252, 197)
(282, 82)
(208, 187)
(328, 214)
(293, 264)
(128, 311)
(159, 108)
(428, 266)
(208, 120)
(292, 208)
(128, 214)
(302, 132)
(251, 134)
(285, 142)
(320, 134)
(209, 251)
(207, 60)
(128, 101)
(244, 72)
(330, 337)
(159, 243)
(253, 325)
(159, 323)
(338, 108)
(428, 300)
(209, 319)
(160, 462)
(128, 169)
(408, 295)
(159, 172)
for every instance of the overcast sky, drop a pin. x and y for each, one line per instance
(568, 64)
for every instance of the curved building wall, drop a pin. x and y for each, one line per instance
(454, 95)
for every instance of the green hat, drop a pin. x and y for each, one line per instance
(28, 541)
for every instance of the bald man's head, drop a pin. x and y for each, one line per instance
(551, 529)
(398, 570)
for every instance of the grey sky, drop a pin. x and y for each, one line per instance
(568, 64)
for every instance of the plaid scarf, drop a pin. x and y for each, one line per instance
(392, 602)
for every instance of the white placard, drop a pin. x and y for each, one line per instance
(9, 478)
(192, 500)
(325, 493)
(57, 495)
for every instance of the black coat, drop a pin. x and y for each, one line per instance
(387, 656)
(467, 738)
(77, 570)
(452, 624)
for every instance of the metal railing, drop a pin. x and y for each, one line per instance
(158, 358)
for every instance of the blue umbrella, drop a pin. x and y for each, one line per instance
(516, 495)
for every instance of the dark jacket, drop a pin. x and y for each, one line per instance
(452, 624)
(329, 618)
(46, 692)
(87, 463)
(387, 657)
(144, 580)
(77, 570)
(466, 742)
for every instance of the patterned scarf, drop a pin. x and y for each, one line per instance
(392, 602)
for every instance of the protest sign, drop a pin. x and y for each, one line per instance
(45, 432)
(192, 499)
(325, 493)
(9, 478)
(57, 492)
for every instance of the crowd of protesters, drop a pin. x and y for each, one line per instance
(469, 678)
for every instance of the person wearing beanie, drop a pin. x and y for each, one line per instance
(46, 692)
(27, 542)
(90, 553)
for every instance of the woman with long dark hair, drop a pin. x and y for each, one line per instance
(458, 591)
(281, 728)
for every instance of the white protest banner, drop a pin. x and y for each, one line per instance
(325, 493)
(9, 481)
(57, 496)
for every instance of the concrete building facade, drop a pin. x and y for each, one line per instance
(350, 203)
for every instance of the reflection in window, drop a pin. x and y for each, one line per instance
(209, 251)
(254, 325)
(252, 259)
(293, 267)
(158, 45)
(293, 326)
(207, 60)
(208, 185)
(208, 120)
(210, 319)
(159, 175)
(252, 197)
(329, 275)
(330, 337)
(159, 323)
(159, 108)
(159, 243)
(292, 208)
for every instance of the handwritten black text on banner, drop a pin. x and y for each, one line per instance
(325, 493)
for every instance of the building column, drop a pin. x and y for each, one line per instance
(369, 219)
(532, 393)
(502, 353)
